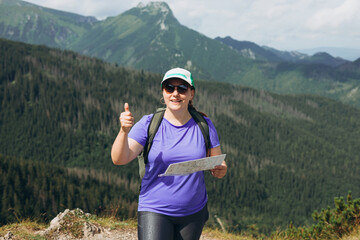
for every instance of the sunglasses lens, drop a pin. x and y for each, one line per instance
(171, 88)
(182, 89)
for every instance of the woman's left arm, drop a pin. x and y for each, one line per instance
(220, 170)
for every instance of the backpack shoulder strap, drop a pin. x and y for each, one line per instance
(204, 127)
(152, 129)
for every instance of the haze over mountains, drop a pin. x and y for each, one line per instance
(345, 53)
(253, 51)
(151, 38)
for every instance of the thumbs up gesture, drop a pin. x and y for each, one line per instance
(126, 119)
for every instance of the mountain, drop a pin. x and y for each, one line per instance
(250, 50)
(142, 37)
(253, 51)
(287, 155)
(149, 37)
(344, 53)
(287, 56)
(295, 72)
(324, 58)
(26, 22)
(318, 58)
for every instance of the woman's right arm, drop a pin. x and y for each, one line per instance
(125, 149)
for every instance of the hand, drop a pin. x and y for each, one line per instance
(220, 170)
(126, 119)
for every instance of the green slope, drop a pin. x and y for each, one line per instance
(22, 21)
(151, 38)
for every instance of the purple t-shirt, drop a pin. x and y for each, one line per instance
(173, 195)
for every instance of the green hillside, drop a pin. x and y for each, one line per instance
(26, 22)
(287, 154)
(152, 39)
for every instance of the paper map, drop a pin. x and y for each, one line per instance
(184, 168)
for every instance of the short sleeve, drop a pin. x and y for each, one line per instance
(214, 138)
(139, 131)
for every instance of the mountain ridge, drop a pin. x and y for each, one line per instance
(41, 25)
(151, 38)
(254, 51)
(350, 54)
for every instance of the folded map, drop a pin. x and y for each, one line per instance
(184, 168)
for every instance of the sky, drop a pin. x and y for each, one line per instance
(282, 24)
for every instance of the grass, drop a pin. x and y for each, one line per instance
(113, 223)
(219, 234)
(26, 229)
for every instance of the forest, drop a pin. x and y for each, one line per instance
(288, 155)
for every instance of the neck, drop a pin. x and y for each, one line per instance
(177, 118)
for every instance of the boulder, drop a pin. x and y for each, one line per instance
(72, 224)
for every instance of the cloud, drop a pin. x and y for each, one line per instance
(98, 9)
(332, 18)
(284, 24)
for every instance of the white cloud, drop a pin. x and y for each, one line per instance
(333, 18)
(99, 9)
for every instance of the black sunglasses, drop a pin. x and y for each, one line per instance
(171, 88)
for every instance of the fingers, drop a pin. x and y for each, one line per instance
(126, 119)
(219, 171)
(126, 107)
(220, 167)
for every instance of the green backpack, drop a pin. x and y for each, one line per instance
(154, 126)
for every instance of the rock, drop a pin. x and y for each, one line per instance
(91, 229)
(72, 224)
(55, 224)
(8, 236)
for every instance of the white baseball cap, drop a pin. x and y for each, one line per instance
(180, 73)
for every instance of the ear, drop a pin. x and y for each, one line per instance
(192, 93)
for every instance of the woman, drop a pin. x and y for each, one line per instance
(171, 207)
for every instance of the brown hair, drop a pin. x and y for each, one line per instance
(191, 106)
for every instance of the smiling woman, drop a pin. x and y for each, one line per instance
(170, 207)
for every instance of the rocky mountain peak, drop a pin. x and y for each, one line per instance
(155, 7)
(161, 9)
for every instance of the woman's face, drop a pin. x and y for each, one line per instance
(175, 96)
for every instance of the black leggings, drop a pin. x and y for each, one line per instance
(155, 226)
